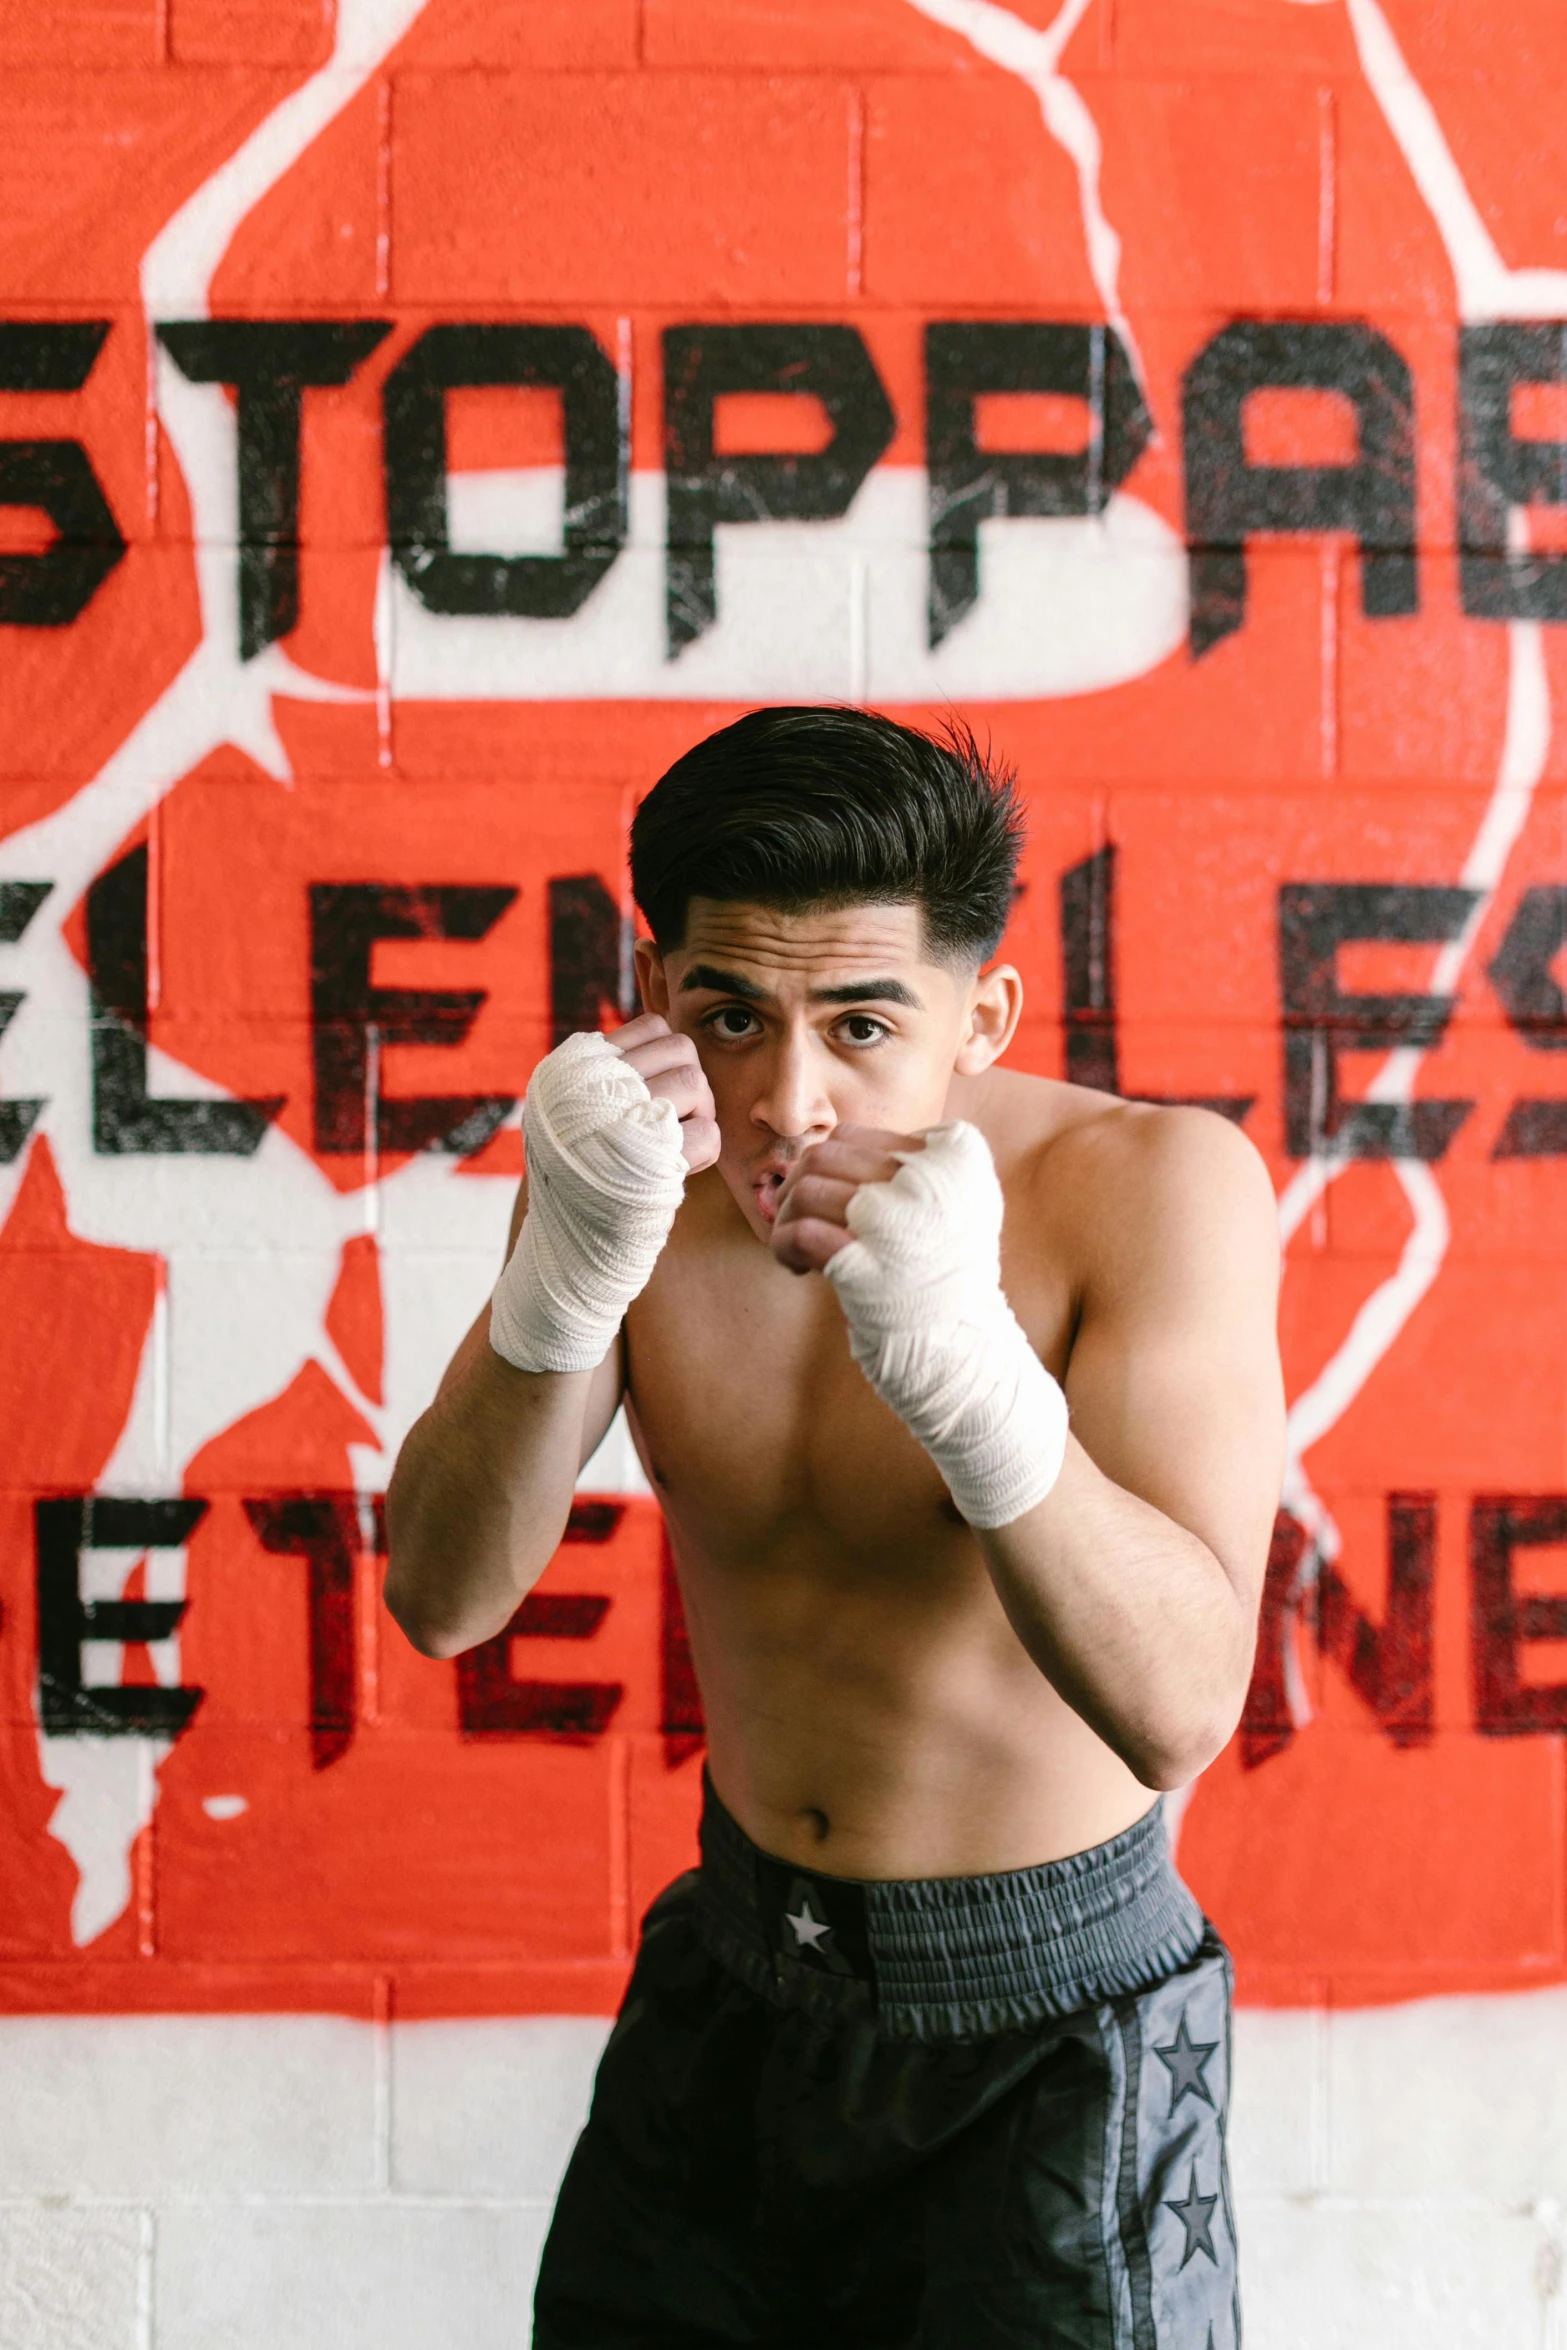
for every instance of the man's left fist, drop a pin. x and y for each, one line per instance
(907, 1228)
(813, 1206)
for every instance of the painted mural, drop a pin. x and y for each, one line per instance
(407, 448)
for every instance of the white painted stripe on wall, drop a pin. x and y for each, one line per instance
(1068, 604)
(1401, 2177)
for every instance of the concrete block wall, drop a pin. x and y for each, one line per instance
(1401, 2176)
(1237, 327)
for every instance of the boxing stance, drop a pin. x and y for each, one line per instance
(960, 1392)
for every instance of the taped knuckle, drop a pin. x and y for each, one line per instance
(854, 1273)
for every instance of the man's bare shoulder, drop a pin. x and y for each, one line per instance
(1104, 1182)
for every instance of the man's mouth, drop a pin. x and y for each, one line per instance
(767, 1187)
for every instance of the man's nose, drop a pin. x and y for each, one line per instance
(794, 1104)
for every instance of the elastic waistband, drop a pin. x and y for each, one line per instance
(942, 1958)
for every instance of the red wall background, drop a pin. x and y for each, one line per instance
(1285, 712)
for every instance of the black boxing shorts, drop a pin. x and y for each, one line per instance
(942, 2114)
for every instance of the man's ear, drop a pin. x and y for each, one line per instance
(652, 980)
(994, 1009)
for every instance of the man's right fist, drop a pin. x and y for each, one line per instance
(607, 1164)
(669, 1067)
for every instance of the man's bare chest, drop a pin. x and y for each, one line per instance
(754, 1418)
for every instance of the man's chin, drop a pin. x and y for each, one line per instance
(756, 1197)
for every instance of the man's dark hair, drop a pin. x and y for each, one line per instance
(801, 808)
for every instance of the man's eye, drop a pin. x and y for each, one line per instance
(862, 1029)
(730, 1020)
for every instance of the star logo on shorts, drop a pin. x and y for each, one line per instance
(809, 1931)
(1186, 2060)
(1196, 2217)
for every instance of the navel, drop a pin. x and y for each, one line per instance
(818, 1823)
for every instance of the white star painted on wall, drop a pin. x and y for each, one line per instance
(809, 1932)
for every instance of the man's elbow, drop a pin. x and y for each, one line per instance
(1165, 1766)
(433, 1634)
(1189, 1722)
(1173, 1753)
(436, 1641)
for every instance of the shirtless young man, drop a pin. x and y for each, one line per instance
(933, 2049)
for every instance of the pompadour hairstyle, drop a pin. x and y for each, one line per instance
(832, 807)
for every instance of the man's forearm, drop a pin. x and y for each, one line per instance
(480, 1497)
(1130, 1616)
(483, 1485)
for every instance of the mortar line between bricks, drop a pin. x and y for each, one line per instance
(855, 253)
(382, 2123)
(150, 437)
(1322, 2101)
(383, 188)
(146, 2275)
(1327, 195)
(1328, 714)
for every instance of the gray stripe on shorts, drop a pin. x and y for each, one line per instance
(1129, 2203)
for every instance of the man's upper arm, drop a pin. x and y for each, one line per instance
(1174, 1378)
(608, 1379)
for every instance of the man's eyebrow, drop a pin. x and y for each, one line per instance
(723, 983)
(851, 991)
(869, 991)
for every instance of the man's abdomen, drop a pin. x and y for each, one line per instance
(883, 1720)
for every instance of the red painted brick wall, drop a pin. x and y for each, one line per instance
(1265, 602)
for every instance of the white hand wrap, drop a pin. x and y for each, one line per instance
(929, 1326)
(605, 1176)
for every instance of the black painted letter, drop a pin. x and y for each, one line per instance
(1227, 499)
(566, 359)
(1268, 1720)
(62, 1530)
(1389, 1664)
(50, 589)
(701, 364)
(1320, 1023)
(1088, 981)
(1501, 1621)
(270, 362)
(325, 1530)
(126, 1119)
(346, 919)
(491, 1704)
(589, 953)
(1497, 471)
(969, 485)
(1522, 973)
(19, 902)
